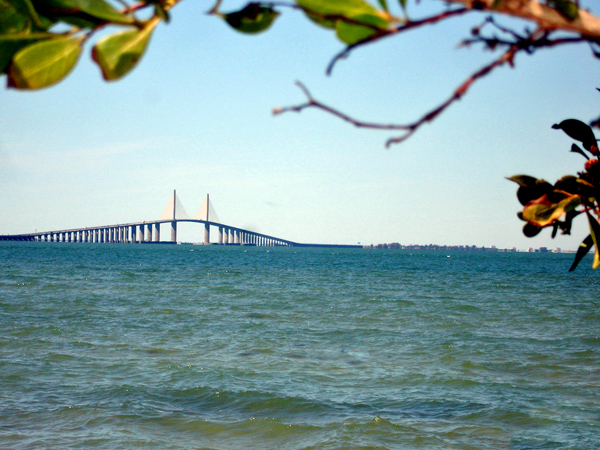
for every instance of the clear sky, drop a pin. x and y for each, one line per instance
(195, 116)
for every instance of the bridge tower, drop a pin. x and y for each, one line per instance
(206, 225)
(174, 222)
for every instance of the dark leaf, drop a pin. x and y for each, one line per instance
(579, 131)
(92, 11)
(583, 249)
(254, 18)
(530, 230)
(575, 149)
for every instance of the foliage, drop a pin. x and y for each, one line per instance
(555, 206)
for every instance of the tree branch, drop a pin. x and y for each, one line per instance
(587, 25)
(410, 128)
(393, 31)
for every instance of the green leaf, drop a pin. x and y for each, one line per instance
(90, 10)
(254, 18)
(117, 54)
(549, 207)
(583, 249)
(10, 44)
(579, 131)
(567, 8)
(26, 8)
(12, 20)
(44, 63)
(383, 4)
(351, 32)
(327, 12)
(595, 233)
(524, 180)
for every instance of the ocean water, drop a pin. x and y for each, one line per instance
(118, 346)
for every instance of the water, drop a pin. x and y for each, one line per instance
(120, 346)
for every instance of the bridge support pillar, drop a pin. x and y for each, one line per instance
(157, 232)
(141, 234)
(149, 232)
(133, 234)
(221, 235)
(174, 231)
(206, 234)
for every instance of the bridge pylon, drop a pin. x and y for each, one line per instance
(174, 211)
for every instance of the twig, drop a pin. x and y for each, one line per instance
(393, 31)
(409, 129)
(312, 103)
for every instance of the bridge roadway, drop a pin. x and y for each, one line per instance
(149, 232)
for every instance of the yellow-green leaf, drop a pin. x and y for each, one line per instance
(44, 63)
(595, 233)
(350, 32)
(328, 12)
(10, 44)
(117, 54)
(550, 207)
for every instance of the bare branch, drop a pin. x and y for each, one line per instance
(587, 25)
(394, 31)
(409, 129)
(507, 57)
(312, 103)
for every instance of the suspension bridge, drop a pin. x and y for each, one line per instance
(147, 232)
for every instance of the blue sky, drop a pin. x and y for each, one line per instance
(195, 116)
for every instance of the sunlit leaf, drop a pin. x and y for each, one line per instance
(583, 249)
(10, 44)
(595, 233)
(524, 180)
(254, 18)
(43, 63)
(549, 207)
(117, 54)
(351, 32)
(383, 4)
(328, 12)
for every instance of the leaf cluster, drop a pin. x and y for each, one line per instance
(42, 40)
(556, 205)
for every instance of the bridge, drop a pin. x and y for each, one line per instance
(149, 231)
